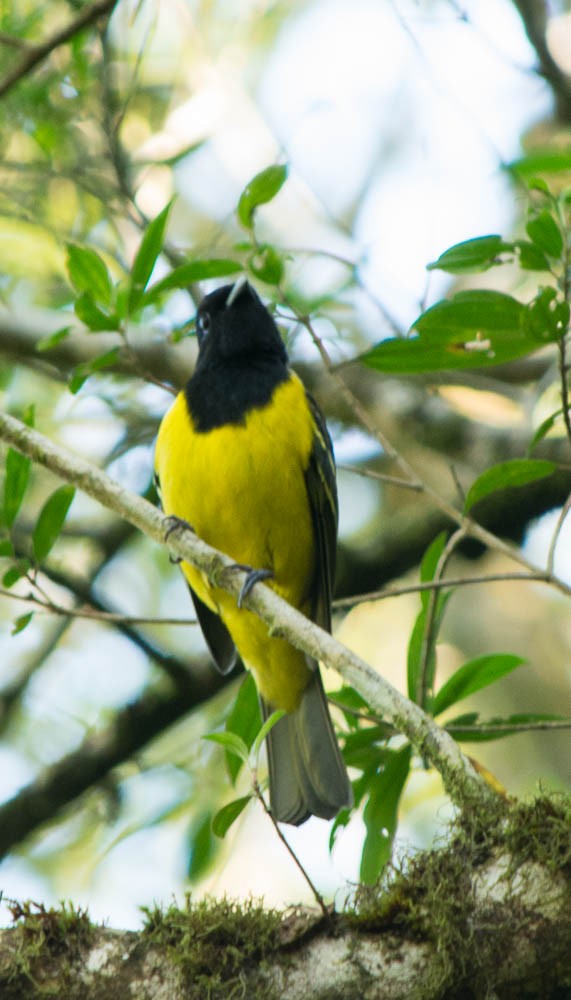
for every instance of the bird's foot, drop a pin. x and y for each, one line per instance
(253, 576)
(176, 525)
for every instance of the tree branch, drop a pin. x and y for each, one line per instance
(36, 54)
(132, 728)
(534, 14)
(461, 781)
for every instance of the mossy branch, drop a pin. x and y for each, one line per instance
(462, 782)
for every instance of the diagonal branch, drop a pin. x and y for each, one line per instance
(462, 782)
(37, 53)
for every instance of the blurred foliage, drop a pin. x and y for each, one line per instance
(104, 245)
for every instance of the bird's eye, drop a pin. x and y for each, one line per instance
(202, 325)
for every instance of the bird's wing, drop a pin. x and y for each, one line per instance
(216, 635)
(322, 493)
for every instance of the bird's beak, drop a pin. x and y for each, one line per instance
(236, 290)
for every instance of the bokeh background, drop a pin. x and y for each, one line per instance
(398, 121)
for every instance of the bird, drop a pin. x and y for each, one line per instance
(243, 456)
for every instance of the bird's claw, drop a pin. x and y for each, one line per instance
(253, 576)
(176, 524)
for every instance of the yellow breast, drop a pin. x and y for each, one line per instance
(242, 489)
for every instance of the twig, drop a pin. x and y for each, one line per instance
(454, 581)
(318, 897)
(48, 606)
(555, 537)
(464, 785)
(382, 477)
(36, 54)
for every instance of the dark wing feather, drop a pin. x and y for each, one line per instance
(322, 493)
(216, 635)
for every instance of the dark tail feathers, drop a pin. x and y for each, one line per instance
(307, 772)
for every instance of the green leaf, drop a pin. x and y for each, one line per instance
(544, 428)
(268, 725)
(244, 721)
(50, 522)
(186, 274)
(429, 564)
(381, 812)
(6, 548)
(515, 472)
(540, 162)
(15, 573)
(531, 258)
(53, 339)
(462, 728)
(146, 257)
(473, 676)
(230, 742)
(21, 623)
(362, 748)
(350, 703)
(474, 329)
(416, 651)
(261, 189)
(88, 273)
(472, 255)
(543, 230)
(547, 317)
(15, 484)
(267, 265)
(228, 815)
(81, 373)
(96, 319)
(202, 847)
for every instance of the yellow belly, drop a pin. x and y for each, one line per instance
(242, 489)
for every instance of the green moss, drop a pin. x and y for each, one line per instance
(46, 942)
(214, 943)
(433, 899)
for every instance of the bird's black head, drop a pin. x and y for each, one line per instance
(241, 358)
(233, 323)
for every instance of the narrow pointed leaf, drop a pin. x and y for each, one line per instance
(186, 274)
(267, 726)
(146, 257)
(473, 676)
(50, 522)
(230, 742)
(88, 273)
(15, 484)
(228, 815)
(515, 472)
(244, 721)
(381, 813)
(472, 255)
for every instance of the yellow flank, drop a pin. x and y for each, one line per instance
(242, 489)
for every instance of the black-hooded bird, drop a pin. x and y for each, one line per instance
(244, 457)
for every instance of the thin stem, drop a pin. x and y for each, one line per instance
(47, 606)
(456, 581)
(318, 897)
(382, 477)
(553, 544)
